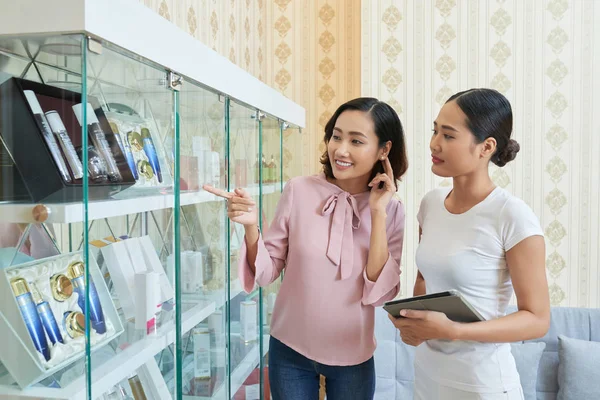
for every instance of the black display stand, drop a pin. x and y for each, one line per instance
(34, 176)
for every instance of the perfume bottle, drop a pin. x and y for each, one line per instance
(96, 166)
(47, 316)
(76, 271)
(74, 324)
(30, 315)
(272, 169)
(99, 140)
(264, 166)
(150, 151)
(126, 149)
(58, 128)
(42, 122)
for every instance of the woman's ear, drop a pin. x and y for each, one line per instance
(489, 147)
(385, 150)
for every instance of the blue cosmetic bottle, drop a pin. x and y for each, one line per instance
(47, 316)
(30, 316)
(76, 271)
(150, 151)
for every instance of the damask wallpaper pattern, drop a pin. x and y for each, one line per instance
(545, 57)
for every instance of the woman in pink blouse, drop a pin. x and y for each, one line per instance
(339, 237)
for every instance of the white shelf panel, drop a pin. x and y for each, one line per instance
(65, 213)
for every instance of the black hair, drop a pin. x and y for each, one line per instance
(489, 114)
(387, 128)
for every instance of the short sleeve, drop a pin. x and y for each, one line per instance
(518, 222)
(421, 212)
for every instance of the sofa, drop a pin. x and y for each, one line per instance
(563, 365)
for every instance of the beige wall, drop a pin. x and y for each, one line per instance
(308, 50)
(545, 57)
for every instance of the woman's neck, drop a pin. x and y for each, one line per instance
(352, 186)
(469, 190)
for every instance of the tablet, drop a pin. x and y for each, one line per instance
(450, 303)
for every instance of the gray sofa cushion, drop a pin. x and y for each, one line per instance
(577, 323)
(578, 371)
(527, 358)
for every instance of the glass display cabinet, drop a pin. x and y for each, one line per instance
(118, 271)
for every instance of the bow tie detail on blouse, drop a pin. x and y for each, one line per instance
(341, 237)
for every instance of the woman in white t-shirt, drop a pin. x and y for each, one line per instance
(480, 240)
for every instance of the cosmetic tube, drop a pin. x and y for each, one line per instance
(150, 151)
(99, 140)
(47, 316)
(126, 149)
(30, 316)
(58, 128)
(76, 271)
(42, 122)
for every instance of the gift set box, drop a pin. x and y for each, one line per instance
(42, 304)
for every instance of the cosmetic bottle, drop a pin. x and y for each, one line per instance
(42, 122)
(150, 151)
(58, 128)
(126, 149)
(99, 140)
(30, 315)
(76, 271)
(136, 388)
(96, 165)
(47, 316)
(74, 324)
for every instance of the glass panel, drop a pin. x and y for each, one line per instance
(244, 311)
(133, 232)
(42, 187)
(203, 244)
(271, 193)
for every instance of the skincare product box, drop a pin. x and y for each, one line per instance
(202, 356)
(248, 321)
(125, 259)
(43, 326)
(146, 297)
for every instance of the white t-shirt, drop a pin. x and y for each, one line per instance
(466, 252)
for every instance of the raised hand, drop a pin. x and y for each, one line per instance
(241, 208)
(379, 198)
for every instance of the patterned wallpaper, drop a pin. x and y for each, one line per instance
(542, 56)
(309, 51)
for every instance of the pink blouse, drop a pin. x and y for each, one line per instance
(320, 235)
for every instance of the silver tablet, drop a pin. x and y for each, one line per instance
(450, 303)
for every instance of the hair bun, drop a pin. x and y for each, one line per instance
(507, 154)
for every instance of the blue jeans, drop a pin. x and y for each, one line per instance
(295, 377)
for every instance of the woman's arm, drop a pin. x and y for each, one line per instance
(527, 268)
(251, 235)
(378, 245)
(532, 320)
(419, 289)
(382, 281)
